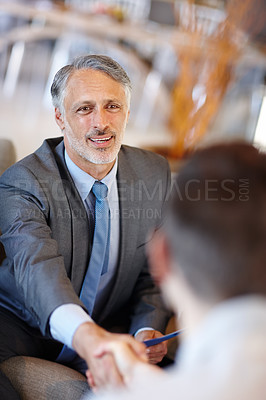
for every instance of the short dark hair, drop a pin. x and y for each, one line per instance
(216, 224)
(95, 62)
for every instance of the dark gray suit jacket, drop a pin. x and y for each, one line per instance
(45, 233)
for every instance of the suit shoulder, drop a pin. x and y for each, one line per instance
(40, 162)
(143, 158)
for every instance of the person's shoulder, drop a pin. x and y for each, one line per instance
(42, 159)
(141, 157)
(44, 154)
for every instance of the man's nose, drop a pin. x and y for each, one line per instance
(99, 119)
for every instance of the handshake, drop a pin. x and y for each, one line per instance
(119, 360)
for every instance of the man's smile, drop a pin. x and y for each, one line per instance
(101, 140)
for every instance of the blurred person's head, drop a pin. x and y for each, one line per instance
(212, 246)
(92, 98)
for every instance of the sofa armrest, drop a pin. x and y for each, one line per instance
(7, 154)
(34, 378)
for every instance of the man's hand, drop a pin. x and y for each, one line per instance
(103, 371)
(155, 353)
(132, 368)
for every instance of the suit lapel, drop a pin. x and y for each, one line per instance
(129, 196)
(81, 247)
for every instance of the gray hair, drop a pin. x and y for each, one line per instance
(101, 63)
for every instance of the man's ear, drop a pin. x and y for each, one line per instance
(128, 114)
(59, 119)
(159, 257)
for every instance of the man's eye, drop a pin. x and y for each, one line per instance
(113, 107)
(84, 109)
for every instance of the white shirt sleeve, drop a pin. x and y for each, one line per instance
(65, 320)
(143, 329)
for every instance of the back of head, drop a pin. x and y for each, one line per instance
(217, 221)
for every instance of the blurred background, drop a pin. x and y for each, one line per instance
(197, 78)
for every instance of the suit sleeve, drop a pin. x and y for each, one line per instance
(35, 264)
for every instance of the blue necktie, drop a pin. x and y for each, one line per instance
(98, 261)
(100, 248)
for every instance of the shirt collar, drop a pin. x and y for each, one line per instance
(84, 181)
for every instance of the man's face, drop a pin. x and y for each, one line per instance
(95, 117)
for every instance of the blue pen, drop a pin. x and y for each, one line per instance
(152, 342)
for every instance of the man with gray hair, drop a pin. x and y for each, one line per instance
(75, 217)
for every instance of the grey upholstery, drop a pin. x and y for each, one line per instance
(36, 379)
(7, 154)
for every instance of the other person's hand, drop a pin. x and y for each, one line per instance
(103, 371)
(155, 353)
(133, 368)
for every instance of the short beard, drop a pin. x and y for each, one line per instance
(97, 156)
